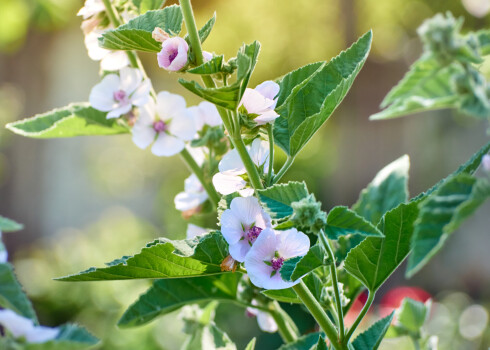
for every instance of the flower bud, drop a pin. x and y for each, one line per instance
(229, 264)
(173, 56)
(307, 213)
(159, 35)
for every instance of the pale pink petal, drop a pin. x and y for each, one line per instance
(95, 52)
(292, 243)
(167, 145)
(114, 60)
(182, 126)
(266, 117)
(192, 184)
(269, 89)
(102, 95)
(231, 163)
(266, 322)
(198, 154)
(197, 117)
(120, 110)
(141, 95)
(91, 8)
(228, 184)
(169, 105)
(247, 210)
(231, 227)
(173, 56)
(143, 135)
(210, 114)
(263, 249)
(189, 200)
(247, 192)
(239, 250)
(14, 323)
(259, 152)
(254, 102)
(41, 334)
(130, 79)
(194, 230)
(207, 56)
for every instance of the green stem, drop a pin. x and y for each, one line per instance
(271, 153)
(283, 170)
(287, 328)
(252, 171)
(319, 314)
(359, 318)
(335, 283)
(196, 169)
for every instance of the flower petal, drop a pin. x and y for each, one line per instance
(182, 126)
(95, 52)
(141, 95)
(228, 184)
(239, 250)
(266, 322)
(169, 105)
(189, 200)
(210, 114)
(247, 210)
(120, 110)
(292, 243)
(143, 135)
(254, 102)
(102, 95)
(114, 60)
(269, 89)
(266, 117)
(231, 163)
(130, 79)
(194, 230)
(41, 334)
(262, 250)
(231, 227)
(259, 152)
(14, 323)
(167, 145)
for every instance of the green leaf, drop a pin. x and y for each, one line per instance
(209, 337)
(278, 198)
(164, 258)
(168, 295)
(342, 221)
(251, 344)
(372, 337)
(11, 294)
(206, 28)
(316, 95)
(442, 213)
(412, 315)
(136, 34)
(321, 345)
(302, 343)
(288, 295)
(147, 5)
(70, 337)
(375, 259)
(388, 189)
(9, 225)
(483, 37)
(77, 119)
(211, 67)
(297, 267)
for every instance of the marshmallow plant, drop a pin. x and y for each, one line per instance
(271, 243)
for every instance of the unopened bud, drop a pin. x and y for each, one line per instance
(307, 213)
(229, 264)
(159, 35)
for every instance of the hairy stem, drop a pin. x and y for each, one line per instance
(335, 283)
(196, 169)
(252, 171)
(287, 328)
(319, 314)
(271, 153)
(359, 318)
(282, 171)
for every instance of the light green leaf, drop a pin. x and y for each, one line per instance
(77, 119)
(442, 213)
(412, 315)
(206, 28)
(484, 41)
(302, 343)
(136, 34)
(288, 295)
(342, 221)
(278, 198)
(316, 95)
(9, 225)
(321, 345)
(297, 267)
(70, 337)
(167, 295)
(375, 259)
(164, 258)
(388, 189)
(147, 5)
(209, 337)
(11, 294)
(251, 344)
(211, 67)
(372, 337)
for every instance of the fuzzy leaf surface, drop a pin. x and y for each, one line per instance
(11, 294)
(295, 268)
(306, 342)
(279, 197)
(372, 337)
(342, 221)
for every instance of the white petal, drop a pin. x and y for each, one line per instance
(143, 135)
(41, 334)
(269, 89)
(114, 60)
(95, 52)
(189, 200)
(247, 210)
(231, 163)
(182, 126)
(192, 184)
(197, 117)
(210, 114)
(141, 95)
(254, 102)
(198, 154)
(231, 227)
(130, 79)
(3, 256)
(194, 230)
(91, 8)
(120, 110)
(14, 323)
(266, 322)
(228, 184)
(247, 192)
(292, 243)
(239, 250)
(263, 249)
(167, 145)
(102, 95)
(259, 152)
(169, 105)
(266, 117)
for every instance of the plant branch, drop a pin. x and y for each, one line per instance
(287, 328)
(359, 318)
(283, 170)
(335, 283)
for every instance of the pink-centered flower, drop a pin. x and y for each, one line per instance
(264, 319)
(242, 224)
(267, 255)
(261, 102)
(205, 114)
(231, 168)
(20, 326)
(117, 94)
(167, 124)
(173, 56)
(193, 195)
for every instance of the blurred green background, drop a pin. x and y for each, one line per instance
(89, 200)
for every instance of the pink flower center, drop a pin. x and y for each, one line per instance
(253, 233)
(172, 55)
(276, 263)
(160, 126)
(120, 96)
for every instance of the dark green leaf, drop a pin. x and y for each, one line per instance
(11, 294)
(211, 67)
(372, 337)
(297, 267)
(342, 221)
(9, 225)
(164, 258)
(442, 213)
(167, 295)
(412, 315)
(316, 95)
(302, 343)
(321, 345)
(278, 198)
(137, 33)
(375, 259)
(387, 190)
(484, 41)
(78, 119)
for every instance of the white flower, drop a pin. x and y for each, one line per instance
(485, 161)
(117, 94)
(264, 319)
(23, 327)
(3, 251)
(231, 167)
(194, 230)
(167, 125)
(91, 8)
(261, 102)
(193, 195)
(109, 60)
(267, 255)
(242, 224)
(205, 114)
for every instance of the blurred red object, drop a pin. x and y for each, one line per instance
(393, 299)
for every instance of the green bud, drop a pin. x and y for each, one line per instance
(307, 213)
